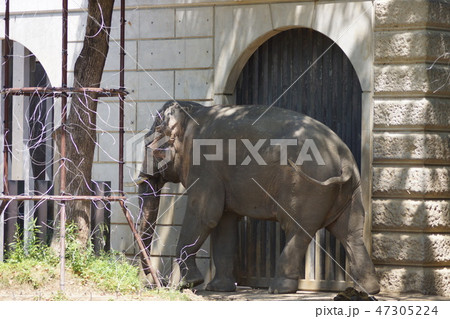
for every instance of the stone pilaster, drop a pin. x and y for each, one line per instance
(411, 146)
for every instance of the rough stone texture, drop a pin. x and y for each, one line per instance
(418, 78)
(411, 181)
(411, 13)
(412, 46)
(427, 113)
(411, 248)
(411, 215)
(434, 281)
(430, 147)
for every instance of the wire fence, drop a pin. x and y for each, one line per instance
(48, 163)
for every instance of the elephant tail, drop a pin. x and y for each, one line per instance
(347, 172)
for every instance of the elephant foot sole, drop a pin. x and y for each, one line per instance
(221, 285)
(283, 286)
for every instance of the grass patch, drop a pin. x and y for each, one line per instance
(110, 271)
(29, 272)
(33, 266)
(37, 265)
(169, 294)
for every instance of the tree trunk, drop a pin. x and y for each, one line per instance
(81, 135)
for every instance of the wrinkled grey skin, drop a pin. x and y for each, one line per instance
(304, 199)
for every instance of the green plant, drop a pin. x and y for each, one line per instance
(35, 263)
(171, 294)
(59, 296)
(78, 256)
(110, 271)
(34, 249)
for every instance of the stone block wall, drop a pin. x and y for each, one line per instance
(411, 146)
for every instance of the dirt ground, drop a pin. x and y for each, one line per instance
(77, 291)
(245, 293)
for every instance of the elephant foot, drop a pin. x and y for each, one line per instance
(193, 278)
(221, 285)
(283, 286)
(370, 285)
(191, 283)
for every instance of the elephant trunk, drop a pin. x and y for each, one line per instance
(149, 202)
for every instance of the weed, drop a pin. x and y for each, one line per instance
(110, 271)
(170, 294)
(34, 249)
(35, 265)
(59, 296)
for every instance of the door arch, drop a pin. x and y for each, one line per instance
(326, 88)
(31, 154)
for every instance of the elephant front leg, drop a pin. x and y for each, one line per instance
(224, 239)
(203, 213)
(192, 237)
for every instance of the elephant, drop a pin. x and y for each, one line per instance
(262, 162)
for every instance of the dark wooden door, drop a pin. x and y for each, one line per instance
(325, 88)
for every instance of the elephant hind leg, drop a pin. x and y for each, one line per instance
(348, 228)
(289, 265)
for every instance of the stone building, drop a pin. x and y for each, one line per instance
(393, 54)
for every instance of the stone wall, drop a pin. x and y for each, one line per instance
(411, 146)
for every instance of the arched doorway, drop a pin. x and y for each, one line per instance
(323, 84)
(30, 144)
